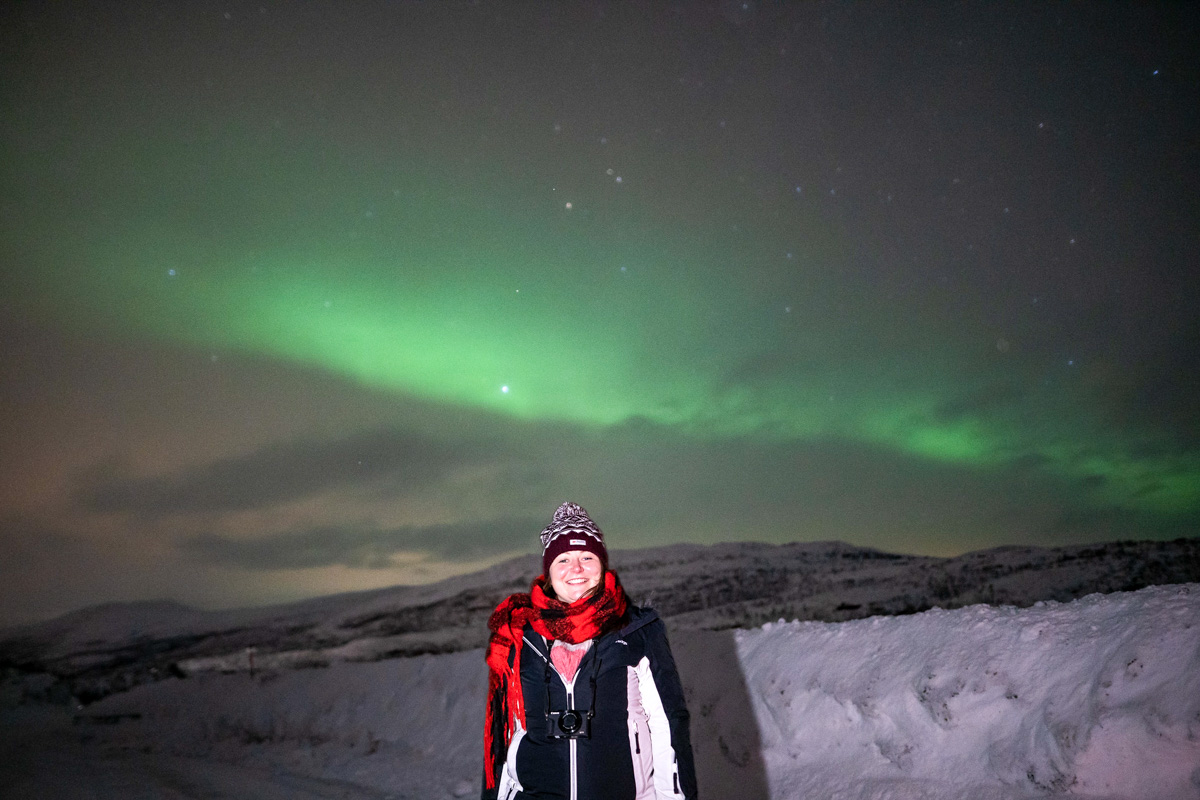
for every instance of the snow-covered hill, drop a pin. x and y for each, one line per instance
(96, 651)
(1097, 698)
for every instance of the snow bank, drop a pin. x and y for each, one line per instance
(407, 727)
(1099, 697)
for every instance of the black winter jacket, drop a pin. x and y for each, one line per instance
(639, 746)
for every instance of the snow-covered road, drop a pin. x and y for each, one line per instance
(43, 756)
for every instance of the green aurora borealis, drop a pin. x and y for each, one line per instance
(449, 301)
(503, 237)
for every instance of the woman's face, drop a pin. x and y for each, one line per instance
(574, 574)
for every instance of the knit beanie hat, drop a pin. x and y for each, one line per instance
(572, 529)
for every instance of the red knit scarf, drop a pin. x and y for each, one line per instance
(586, 618)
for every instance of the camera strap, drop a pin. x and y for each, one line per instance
(592, 682)
(591, 712)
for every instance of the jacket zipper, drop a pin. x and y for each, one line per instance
(574, 765)
(572, 743)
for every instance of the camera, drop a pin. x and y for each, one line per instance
(569, 724)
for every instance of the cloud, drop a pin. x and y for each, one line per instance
(24, 540)
(992, 399)
(385, 460)
(366, 547)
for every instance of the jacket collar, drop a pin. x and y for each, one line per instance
(640, 617)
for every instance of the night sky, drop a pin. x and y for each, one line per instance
(311, 297)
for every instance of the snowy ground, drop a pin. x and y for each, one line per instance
(1099, 698)
(46, 757)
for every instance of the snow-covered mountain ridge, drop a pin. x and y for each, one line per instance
(98, 650)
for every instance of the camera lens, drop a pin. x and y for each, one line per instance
(570, 722)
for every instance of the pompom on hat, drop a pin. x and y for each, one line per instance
(572, 529)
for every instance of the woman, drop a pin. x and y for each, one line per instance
(584, 702)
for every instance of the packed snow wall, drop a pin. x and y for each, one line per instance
(1099, 697)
